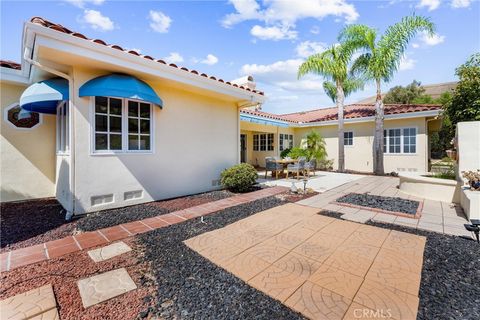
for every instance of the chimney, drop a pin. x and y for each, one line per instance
(246, 81)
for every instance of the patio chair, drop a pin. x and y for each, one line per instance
(297, 167)
(311, 166)
(271, 165)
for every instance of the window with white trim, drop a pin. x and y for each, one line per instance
(400, 141)
(63, 128)
(285, 141)
(138, 125)
(263, 142)
(348, 138)
(122, 125)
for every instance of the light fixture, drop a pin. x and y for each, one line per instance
(24, 114)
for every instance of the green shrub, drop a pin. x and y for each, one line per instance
(285, 152)
(297, 152)
(325, 164)
(239, 178)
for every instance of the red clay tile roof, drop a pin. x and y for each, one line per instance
(10, 64)
(356, 111)
(265, 115)
(50, 25)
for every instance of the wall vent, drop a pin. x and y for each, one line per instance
(132, 195)
(103, 199)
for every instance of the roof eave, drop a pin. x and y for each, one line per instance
(125, 60)
(406, 115)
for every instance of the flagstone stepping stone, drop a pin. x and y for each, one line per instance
(38, 303)
(105, 286)
(108, 252)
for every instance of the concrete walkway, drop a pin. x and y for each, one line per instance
(320, 266)
(436, 216)
(57, 248)
(322, 181)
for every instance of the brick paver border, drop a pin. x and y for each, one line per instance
(53, 249)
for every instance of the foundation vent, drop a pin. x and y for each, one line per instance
(132, 195)
(103, 199)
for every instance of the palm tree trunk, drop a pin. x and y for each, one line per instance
(378, 138)
(341, 147)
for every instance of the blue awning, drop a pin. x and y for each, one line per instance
(120, 86)
(264, 121)
(44, 96)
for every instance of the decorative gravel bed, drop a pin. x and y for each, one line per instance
(191, 287)
(384, 203)
(113, 217)
(64, 272)
(450, 287)
(32, 222)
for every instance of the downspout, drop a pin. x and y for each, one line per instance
(60, 74)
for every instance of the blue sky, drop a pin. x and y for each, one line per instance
(267, 39)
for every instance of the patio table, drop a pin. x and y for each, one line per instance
(285, 162)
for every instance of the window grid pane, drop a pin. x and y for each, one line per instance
(109, 129)
(348, 138)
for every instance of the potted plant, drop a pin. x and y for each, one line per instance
(452, 154)
(473, 179)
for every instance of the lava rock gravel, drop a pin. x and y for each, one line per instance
(450, 286)
(113, 217)
(191, 287)
(385, 203)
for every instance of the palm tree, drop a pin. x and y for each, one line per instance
(380, 61)
(332, 64)
(315, 146)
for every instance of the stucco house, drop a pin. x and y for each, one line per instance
(406, 142)
(98, 127)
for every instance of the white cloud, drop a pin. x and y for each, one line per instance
(82, 3)
(210, 60)
(245, 10)
(283, 75)
(159, 22)
(273, 33)
(415, 45)
(406, 63)
(307, 48)
(97, 21)
(460, 3)
(173, 57)
(315, 30)
(280, 16)
(429, 4)
(431, 40)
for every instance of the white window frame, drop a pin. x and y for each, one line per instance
(124, 133)
(282, 140)
(387, 144)
(353, 139)
(63, 128)
(263, 142)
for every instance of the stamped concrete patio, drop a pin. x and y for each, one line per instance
(436, 216)
(322, 267)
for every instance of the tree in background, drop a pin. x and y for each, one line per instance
(315, 146)
(332, 65)
(380, 61)
(465, 102)
(405, 95)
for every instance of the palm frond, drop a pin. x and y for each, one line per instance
(352, 84)
(330, 90)
(392, 45)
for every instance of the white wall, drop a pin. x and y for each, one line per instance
(359, 157)
(195, 138)
(27, 162)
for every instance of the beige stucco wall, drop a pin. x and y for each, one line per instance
(195, 138)
(359, 156)
(27, 156)
(257, 158)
